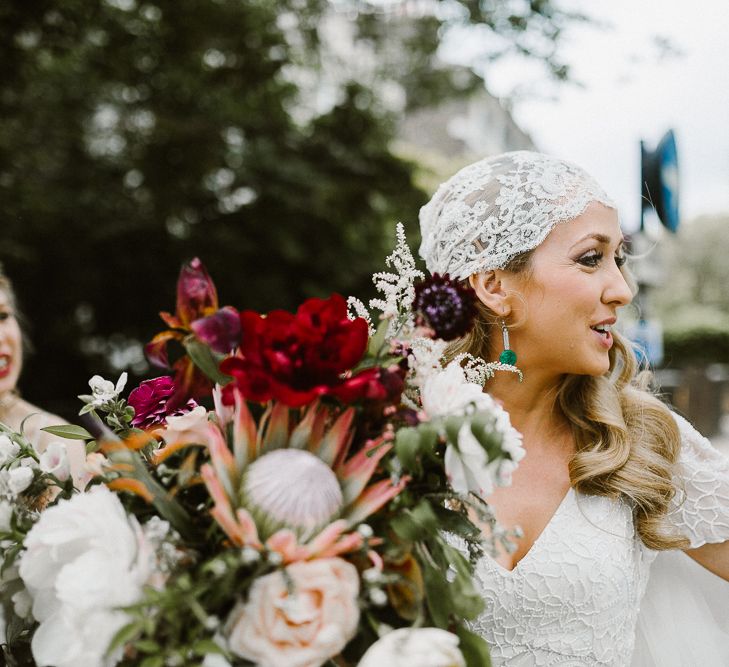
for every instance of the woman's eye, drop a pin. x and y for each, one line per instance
(4, 315)
(591, 259)
(620, 260)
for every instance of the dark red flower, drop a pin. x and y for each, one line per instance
(445, 305)
(294, 358)
(152, 404)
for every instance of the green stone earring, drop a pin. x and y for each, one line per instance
(508, 356)
(507, 359)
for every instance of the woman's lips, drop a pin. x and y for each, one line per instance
(605, 338)
(5, 365)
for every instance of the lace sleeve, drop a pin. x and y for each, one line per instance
(700, 509)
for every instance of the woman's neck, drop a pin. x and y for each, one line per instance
(531, 404)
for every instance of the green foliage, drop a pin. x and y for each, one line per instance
(700, 345)
(692, 301)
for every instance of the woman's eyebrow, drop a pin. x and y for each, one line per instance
(600, 238)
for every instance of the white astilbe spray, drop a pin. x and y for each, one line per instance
(357, 309)
(425, 359)
(397, 288)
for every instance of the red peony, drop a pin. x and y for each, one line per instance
(294, 358)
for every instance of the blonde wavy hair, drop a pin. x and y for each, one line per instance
(627, 441)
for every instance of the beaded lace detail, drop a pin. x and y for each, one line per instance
(574, 598)
(500, 207)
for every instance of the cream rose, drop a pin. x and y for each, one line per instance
(302, 627)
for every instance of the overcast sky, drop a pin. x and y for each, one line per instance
(631, 93)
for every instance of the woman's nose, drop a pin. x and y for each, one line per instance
(618, 291)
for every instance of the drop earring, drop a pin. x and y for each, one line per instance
(507, 358)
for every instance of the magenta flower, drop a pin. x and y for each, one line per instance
(152, 404)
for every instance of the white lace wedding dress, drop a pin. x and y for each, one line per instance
(577, 596)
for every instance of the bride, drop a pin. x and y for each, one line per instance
(612, 477)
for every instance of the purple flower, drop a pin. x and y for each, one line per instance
(445, 306)
(152, 405)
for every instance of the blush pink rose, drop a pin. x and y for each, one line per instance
(302, 627)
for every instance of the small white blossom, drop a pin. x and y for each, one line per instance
(18, 480)
(22, 602)
(104, 391)
(378, 597)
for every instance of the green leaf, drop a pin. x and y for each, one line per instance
(437, 595)
(69, 431)
(153, 661)
(407, 447)
(416, 524)
(378, 340)
(475, 650)
(206, 646)
(125, 634)
(147, 646)
(428, 437)
(452, 427)
(204, 358)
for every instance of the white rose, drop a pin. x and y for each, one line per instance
(54, 461)
(408, 647)
(19, 479)
(84, 558)
(467, 465)
(8, 449)
(449, 393)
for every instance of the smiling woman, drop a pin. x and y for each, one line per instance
(15, 412)
(611, 477)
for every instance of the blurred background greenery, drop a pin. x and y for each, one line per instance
(267, 138)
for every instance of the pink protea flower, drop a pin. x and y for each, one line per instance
(293, 487)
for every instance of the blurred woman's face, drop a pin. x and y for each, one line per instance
(564, 310)
(11, 349)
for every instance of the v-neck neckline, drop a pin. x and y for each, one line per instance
(510, 572)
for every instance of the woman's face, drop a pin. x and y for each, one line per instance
(575, 285)
(11, 350)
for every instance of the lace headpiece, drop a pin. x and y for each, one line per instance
(500, 207)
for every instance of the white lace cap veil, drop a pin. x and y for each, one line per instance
(497, 208)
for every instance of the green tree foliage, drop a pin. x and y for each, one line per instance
(136, 134)
(693, 301)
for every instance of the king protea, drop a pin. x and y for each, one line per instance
(290, 487)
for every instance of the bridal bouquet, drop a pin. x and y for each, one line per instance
(288, 496)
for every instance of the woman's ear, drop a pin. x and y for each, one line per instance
(490, 291)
